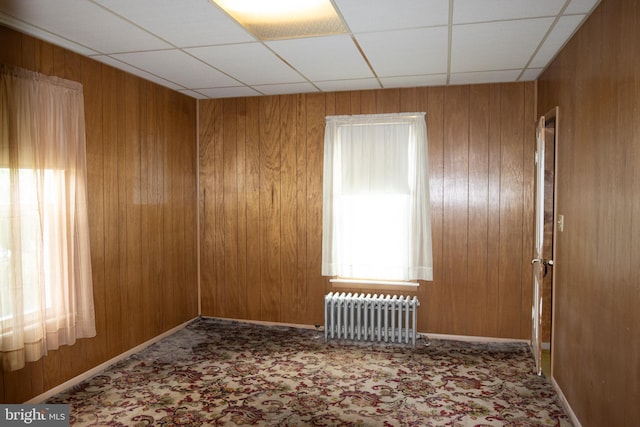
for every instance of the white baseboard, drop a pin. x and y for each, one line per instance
(466, 338)
(565, 404)
(470, 338)
(265, 323)
(91, 372)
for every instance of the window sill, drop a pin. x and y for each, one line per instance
(374, 285)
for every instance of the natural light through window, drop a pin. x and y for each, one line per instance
(376, 221)
(46, 288)
(373, 235)
(32, 230)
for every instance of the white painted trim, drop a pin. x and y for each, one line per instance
(375, 282)
(470, 338)
(565, 404)
(265, 323)
(93, 371)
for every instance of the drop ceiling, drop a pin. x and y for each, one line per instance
(194, 47)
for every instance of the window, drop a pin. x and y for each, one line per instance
(46, 295)
(376, 221)
(30, 231)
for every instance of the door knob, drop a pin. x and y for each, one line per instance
(546, 262)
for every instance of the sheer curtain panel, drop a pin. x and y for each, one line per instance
(376, 220)
(46, 290)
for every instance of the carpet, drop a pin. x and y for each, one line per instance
(218, 372)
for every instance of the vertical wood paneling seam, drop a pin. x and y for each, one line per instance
(525, 129)
(220, 214)
(238, 202)
(102, 230)
(237, 209)
(230, 224)
(241, 207)
(122, 213)
(523, 199)
(301, 182)
(279, 203)
(241, 129)
(442, 145)
(279, 180)
(198, 213)
(216, 188)
(469, 140)
(438, 252)
(260, 209)
(499, 206)
(487, 258)
(494, 146)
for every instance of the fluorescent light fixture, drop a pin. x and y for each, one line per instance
(285, 19)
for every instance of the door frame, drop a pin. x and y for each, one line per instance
(543, 263)
(553, 115)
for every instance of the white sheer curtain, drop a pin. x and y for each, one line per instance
(376, 220)
(46, 290)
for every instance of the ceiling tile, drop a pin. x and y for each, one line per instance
(379, 15)
(323, 58)
(135, 71)
(495, 46)
(206, 23)
(97, 29)
(240, 61)
(467, 11)
(565, 26)
(178, 67)
(39, 33)
(484, 77)
(406, 52)
(581, 6)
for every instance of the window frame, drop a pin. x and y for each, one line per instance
(330, 195)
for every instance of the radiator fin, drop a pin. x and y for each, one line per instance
(382, 318)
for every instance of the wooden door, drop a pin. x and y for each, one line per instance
(538, 260)
(545, 220)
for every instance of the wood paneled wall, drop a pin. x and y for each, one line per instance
(261, 204)
(595, 81)
(141, 160)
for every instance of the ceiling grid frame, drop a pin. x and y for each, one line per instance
(198, 49)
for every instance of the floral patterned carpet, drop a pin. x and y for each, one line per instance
(217, 372)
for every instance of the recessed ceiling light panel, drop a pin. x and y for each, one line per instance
(285, 19)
